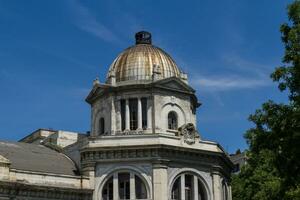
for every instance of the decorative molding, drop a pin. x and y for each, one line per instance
(153, 154)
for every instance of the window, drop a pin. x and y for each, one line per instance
(123, 110)
(144, 113)
(133, 114)
(172, 121)
(124, 187)
(190, 183)
(107, 192)
(140, 188)
(189, 189)
(176, 189)
(101, 126)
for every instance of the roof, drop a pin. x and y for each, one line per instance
(138, 62)
(238, 156)
(37, 158)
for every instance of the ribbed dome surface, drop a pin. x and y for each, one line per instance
(137, 63)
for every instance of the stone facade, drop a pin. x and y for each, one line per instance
(143, 142)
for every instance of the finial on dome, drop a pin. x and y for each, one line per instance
(96, 81)
(143, 37)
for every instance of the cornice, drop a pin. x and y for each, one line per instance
(154, 154)
(100, 90)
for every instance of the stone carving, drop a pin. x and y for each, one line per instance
(189, 133)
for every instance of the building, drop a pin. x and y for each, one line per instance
(143, 142)
(239, 159)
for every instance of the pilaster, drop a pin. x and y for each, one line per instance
(160, 182)
(217, 186)
(127, 116)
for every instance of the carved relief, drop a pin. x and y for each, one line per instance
(189, 133)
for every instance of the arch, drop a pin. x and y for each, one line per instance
(97, 115)
(124, 169)
(168, 107)
(191, 171)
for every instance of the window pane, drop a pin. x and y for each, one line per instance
(201, 191)
(188, 187)
(124, 185)
(144, 113)
(107, 192)
(176, 190)
(172, 121)
(123, 114)
(140, 189)
(101, 126)
(133, 113)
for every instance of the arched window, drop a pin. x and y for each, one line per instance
(127, 184)
(101, 126)
(172, 121)
(189, 187)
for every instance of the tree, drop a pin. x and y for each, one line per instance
(273, 169)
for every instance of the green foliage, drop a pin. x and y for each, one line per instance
(273, 169)
(288, 76)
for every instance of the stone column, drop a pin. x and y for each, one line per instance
(139, 107)
(113, 117)
(182, 186)
(127, 116)
(116, 186)
(217, 187)
(149, 114)
(160, 182)
(195, 186)
(132, 186)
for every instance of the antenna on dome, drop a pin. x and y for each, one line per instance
(143, 37)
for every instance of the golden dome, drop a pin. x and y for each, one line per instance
(138, 62)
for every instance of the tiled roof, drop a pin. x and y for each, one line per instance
(36, 158)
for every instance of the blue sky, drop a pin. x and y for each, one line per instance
(50, 52)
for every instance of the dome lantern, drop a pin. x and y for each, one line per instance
(143, 37)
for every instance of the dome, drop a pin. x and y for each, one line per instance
(140, 61)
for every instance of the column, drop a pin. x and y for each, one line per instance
(160, 182)
(132, 186)
(217, 190)
(127, 116)
(195, 185)
(149, 114)
(182, 186)
(139, 107)
(113, 117)
(115, 186)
